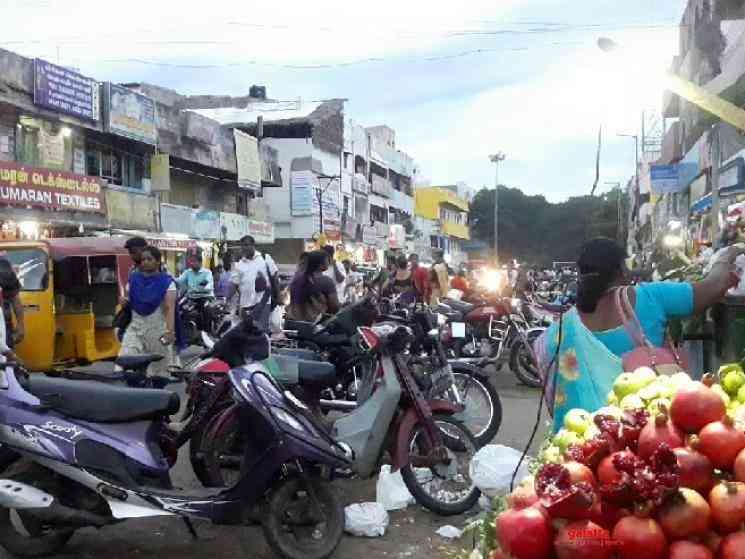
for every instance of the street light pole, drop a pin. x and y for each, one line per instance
(496, 158)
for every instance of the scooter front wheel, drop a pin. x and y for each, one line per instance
(445, 487)
(304, 519)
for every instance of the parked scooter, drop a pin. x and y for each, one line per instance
(90, 454)
(431, 448)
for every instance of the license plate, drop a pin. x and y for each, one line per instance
(458, 329)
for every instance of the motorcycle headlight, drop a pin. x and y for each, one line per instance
(287, 418)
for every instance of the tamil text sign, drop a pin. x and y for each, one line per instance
(52, 190)
(130, 114)
(247, 160)
(303, 192)
(65, 91)
(669, 179)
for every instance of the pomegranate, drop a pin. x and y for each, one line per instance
(657, 431)
(721, 441)
(696, 470)
(727, 503)
(689, 550)
(739, 466)
(696, 405)
(582, 540)
(523, 496)
(525, 533)
(607, 472)
(639, 538)
(561, 497)
(733, 546)
(712, 540)
(684, 514)
(579, 473)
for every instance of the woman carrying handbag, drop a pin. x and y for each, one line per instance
(616, 328)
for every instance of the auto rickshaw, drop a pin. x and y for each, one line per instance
(70, 290)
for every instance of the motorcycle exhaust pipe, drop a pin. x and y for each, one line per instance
(338, 405)
(60, 515)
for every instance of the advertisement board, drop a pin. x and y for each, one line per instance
(65, 91)
(247, 160)
(130, 114)
(303, 184)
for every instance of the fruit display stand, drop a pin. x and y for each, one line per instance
(659, 473)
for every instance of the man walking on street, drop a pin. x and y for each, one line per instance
(253, 275)
(337, 273)
(420, 276)
(439, 276)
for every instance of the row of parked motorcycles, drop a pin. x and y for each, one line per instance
(269, 428)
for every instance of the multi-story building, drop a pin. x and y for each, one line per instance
(442, 219)
(80, 157)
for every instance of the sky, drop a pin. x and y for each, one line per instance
(457, 82)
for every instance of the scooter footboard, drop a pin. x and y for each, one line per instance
(405, 426)
(16, 495)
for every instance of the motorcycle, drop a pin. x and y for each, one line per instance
(332, 340)
(203, 313)
(425, 441)
(90, 454)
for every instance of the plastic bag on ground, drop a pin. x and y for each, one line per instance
(391, 491)
(366, 519)
(492, 467)
(449, 532)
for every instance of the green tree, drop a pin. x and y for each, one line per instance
(535, 231)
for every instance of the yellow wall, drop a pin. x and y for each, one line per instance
(428, 200)
(456, 230)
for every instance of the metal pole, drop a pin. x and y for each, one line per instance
(496, 213)
(715, 203)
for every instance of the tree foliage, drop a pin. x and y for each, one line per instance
(537, 232)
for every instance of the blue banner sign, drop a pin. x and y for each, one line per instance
(65, 91)
(669, 179)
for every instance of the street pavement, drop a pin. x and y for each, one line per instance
(411, 533)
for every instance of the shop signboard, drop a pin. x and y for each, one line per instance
(261, 231)
(160, 172)
(205, 224)
(236, 226)
(175, 219)
(129, 210)
(303, 193)
(51, 190)
(247, 160)
(65, 91)
(369, 236)
(669, 179)
(396, 237)
(130, 114)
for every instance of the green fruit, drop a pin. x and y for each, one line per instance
(592, 432)
(741, 395)
(680, 379)
(644, 376)
(626, 384)
(565, 438)
(722, 394)
(551, 454)
(577, 420)
(632, 402)
(733, 381)
(650, 392)
(612, 398)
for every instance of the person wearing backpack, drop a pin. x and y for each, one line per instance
(254, 274)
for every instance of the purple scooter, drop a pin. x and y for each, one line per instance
(85, 453)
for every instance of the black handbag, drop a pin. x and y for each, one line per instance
(121, 321)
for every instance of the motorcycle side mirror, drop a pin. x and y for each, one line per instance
(207, 341)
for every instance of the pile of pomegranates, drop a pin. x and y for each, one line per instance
(655, 483)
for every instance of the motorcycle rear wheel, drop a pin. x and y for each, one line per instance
(483, 426)
(459, 442)
(285, 518)
(524, 366)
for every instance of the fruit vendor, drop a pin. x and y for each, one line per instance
(581, 368)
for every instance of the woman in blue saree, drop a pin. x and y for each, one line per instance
(580, 355)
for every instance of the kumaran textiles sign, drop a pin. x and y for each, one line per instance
(51, 190)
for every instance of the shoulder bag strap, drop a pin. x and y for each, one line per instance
(630, 320)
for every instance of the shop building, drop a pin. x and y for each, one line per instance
(442, 218)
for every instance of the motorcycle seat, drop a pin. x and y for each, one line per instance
(298, 353)
(317, 373)
(303, 329)
(137, 362)
(460, 306)
(98, 402)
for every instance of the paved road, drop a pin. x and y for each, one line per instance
(410, 534)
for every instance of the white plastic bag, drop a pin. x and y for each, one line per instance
(391, 491)
(492, 467)
(449, 532)
(276, 319)
(366, 519)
